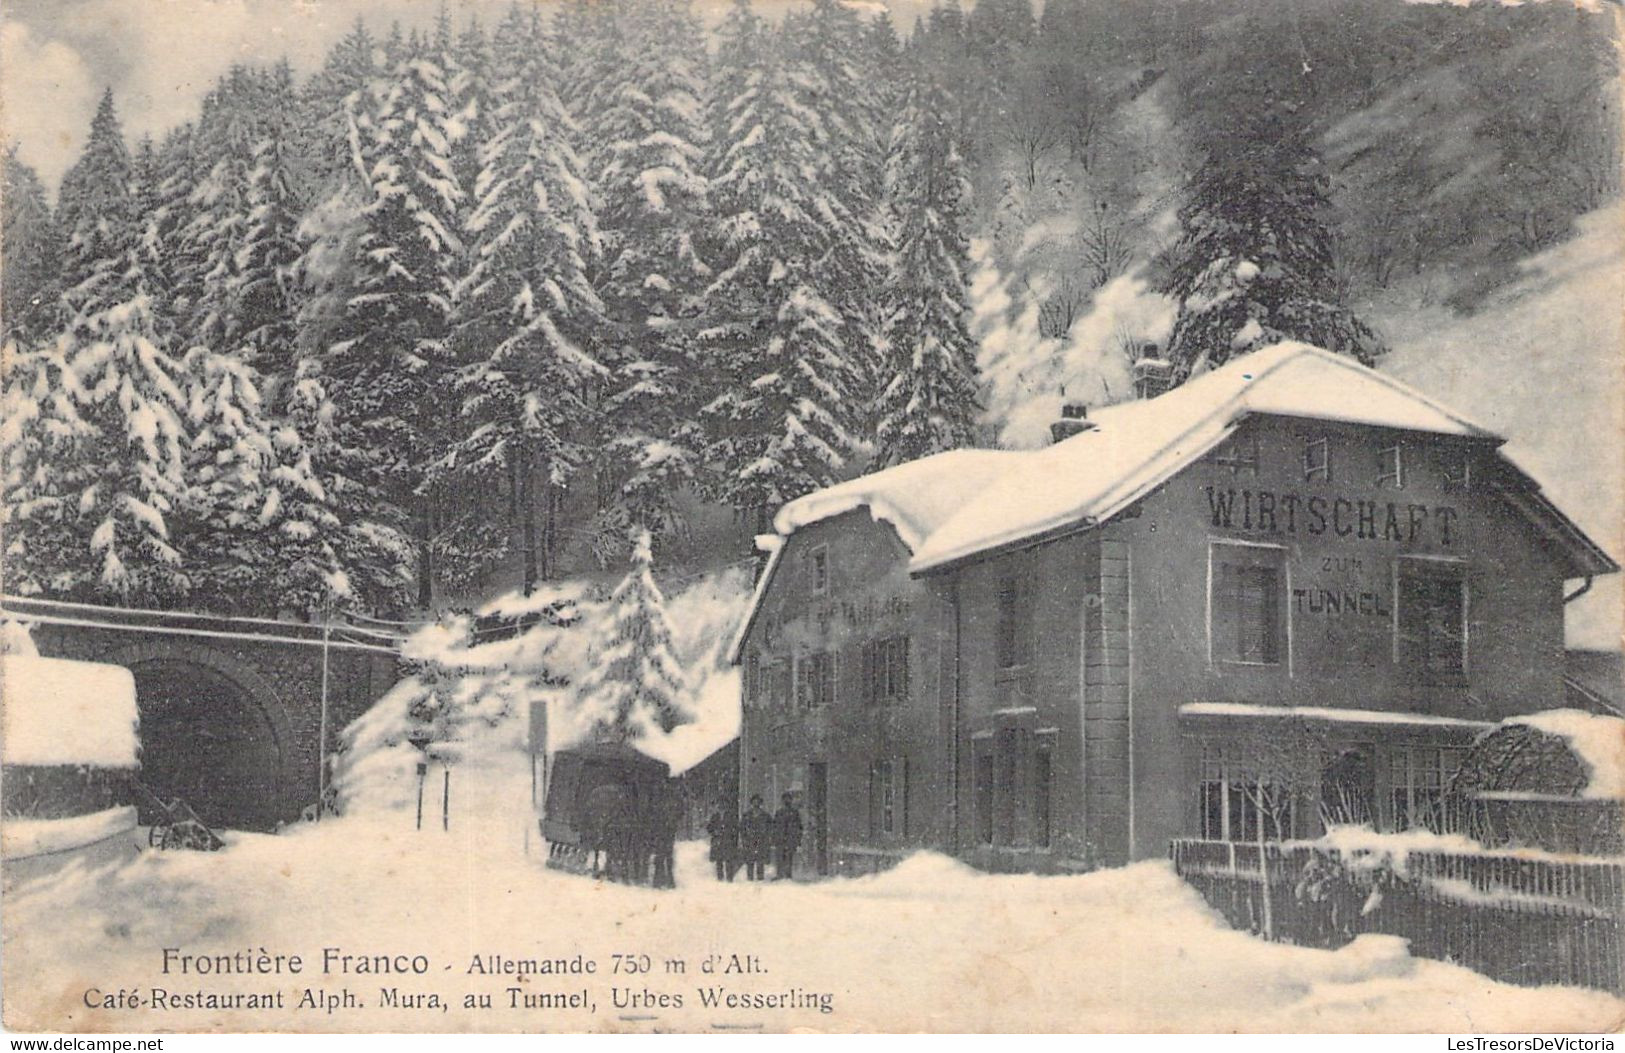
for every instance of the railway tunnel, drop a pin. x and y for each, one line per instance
(230, 709)
(206, 740)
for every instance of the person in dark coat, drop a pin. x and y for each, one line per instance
(723, 826)
(786, 838)
(756, 838)
(667, 818)
(609, 824)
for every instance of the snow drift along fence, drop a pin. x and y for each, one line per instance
(1524, 921)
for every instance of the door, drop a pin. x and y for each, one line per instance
(818, 813)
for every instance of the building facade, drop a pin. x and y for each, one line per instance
(1287, 594)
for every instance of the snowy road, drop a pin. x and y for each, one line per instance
(931, 945)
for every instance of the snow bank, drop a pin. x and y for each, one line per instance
(1599, 741)
(15, 638)
(1116, 950)
(1328, 713)
(471, 695)
(61, 712)
(22, 838)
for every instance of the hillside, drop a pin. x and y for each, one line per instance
(1541, 363)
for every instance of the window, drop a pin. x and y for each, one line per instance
(984, 797)
(1391, 468)
(1233, 803)
(1431, 620)
(1239, 455)
(882, 798)
(885, 670)
(1317, 460)
(753, 679)
(1015, 621)
(1418, 777)
(1248, 617)
(1042, 778)
(779, 683)
(815, 680)
(1455, 471)
(818, 569)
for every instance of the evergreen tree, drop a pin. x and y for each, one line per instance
(93, 446)
(30, 278)
(848, 90)
(223, 149)
(263, 293)
(388, 360)
(168, 254)
(636, 685)
(323, 132)
(1254, 262)
(240, 241)
(95, 422)
(780, 425)
(928, 403)
(257, 531)
(96, 217)
(651, 191)
(527, 359)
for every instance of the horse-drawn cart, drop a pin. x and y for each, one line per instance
(607, 808)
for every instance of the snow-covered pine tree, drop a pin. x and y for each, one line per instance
(146, 271)
(849, 91)
(584, 54)
(525, 341)
(93, 443)
(387, 364)
(94, 425)
(1254, 262)
(223, 148)
(652, 208)
(323, 129)
(635, 685)
(928, 402)
(263, 294)
(94, 214)
(371, 540)
(167, 252)
(29, 268)
(257, 532)
(780, 425)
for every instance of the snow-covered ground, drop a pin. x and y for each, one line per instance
(931, 945)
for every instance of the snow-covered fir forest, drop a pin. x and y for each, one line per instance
(480, 297)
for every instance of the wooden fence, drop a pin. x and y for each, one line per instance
(1525, 921)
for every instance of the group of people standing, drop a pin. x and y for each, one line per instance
(751, 838)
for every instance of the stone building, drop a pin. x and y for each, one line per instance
(1290, 591)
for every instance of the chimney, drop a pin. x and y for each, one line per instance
(1153, 374)
(1074, 420)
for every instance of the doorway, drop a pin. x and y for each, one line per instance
(818, 813)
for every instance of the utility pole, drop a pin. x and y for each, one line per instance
(321, 748)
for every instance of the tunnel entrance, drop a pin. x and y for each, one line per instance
(204, 740)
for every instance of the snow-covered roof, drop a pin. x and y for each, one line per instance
(58, 712)
(1597, 740)
(915, 498)
(958, 505)
(1135, 446)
